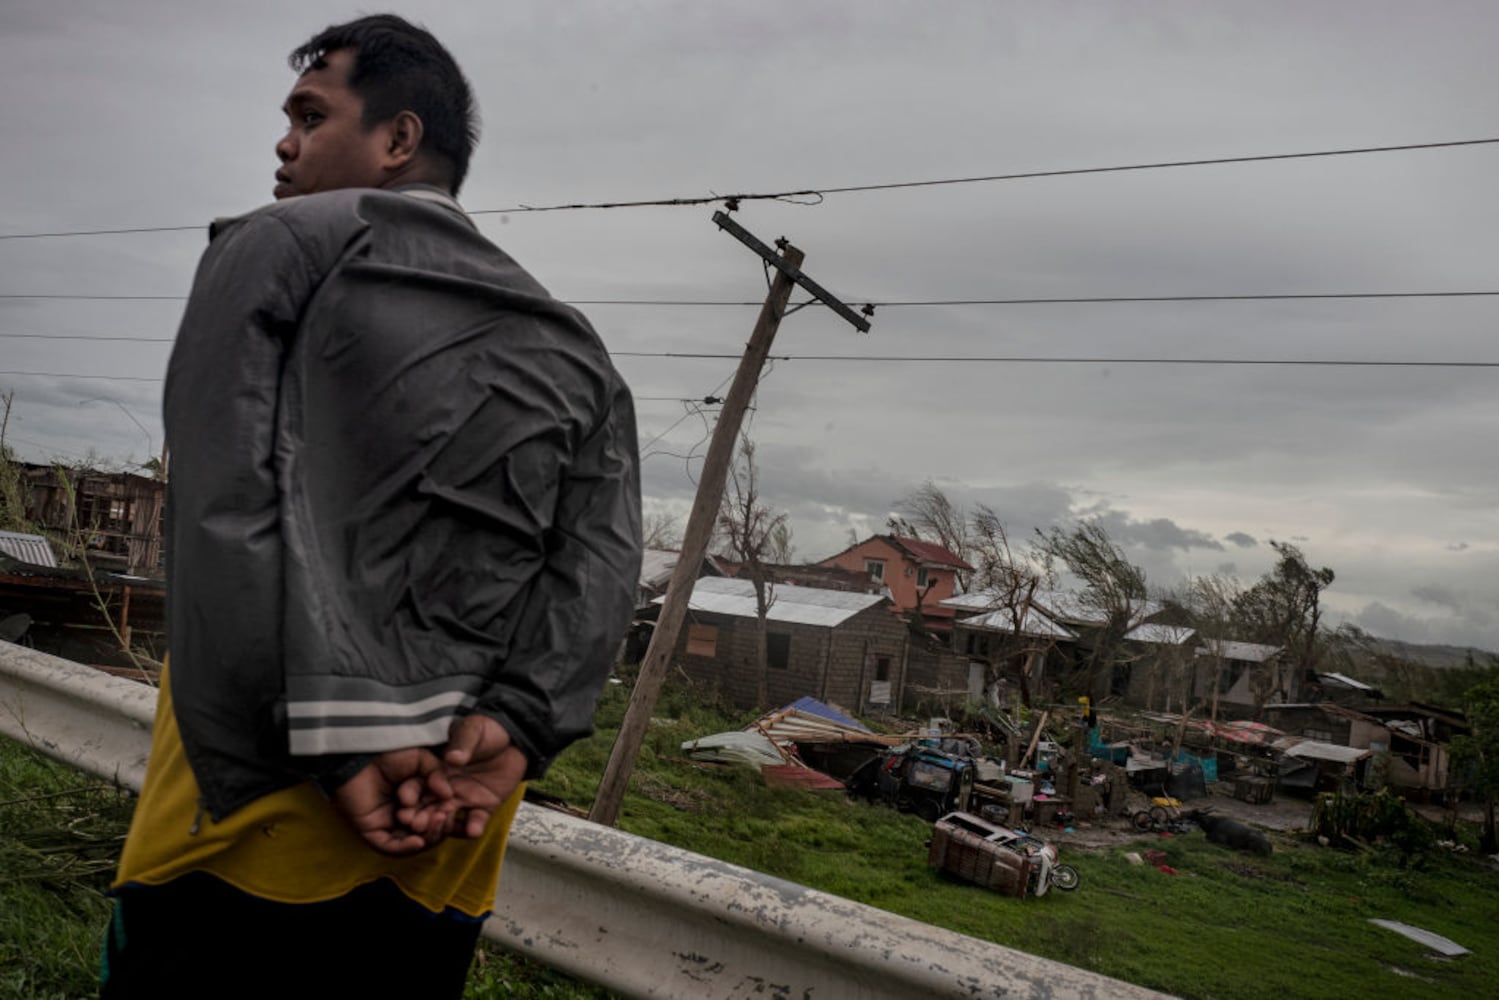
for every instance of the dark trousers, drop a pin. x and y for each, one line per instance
(200, 937)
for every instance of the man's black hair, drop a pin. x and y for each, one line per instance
(400, 67)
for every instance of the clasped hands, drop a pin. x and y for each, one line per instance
(405, 801)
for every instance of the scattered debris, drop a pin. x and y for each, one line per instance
(735, 748)
(1437, 943)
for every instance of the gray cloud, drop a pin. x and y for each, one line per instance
(650, 101)
(1154, 533)
(1443, 596)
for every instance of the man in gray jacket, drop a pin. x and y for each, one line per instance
(403, 543)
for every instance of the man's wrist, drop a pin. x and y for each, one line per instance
(336, 773)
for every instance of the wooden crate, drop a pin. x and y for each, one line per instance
(1255, 790)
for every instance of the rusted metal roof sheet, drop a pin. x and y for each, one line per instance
(798, 776)
(32, 549)
(1242, 731)
(791, 604)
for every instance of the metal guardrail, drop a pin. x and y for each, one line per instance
(636, 916)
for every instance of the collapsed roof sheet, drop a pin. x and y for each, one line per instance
(735, 748)
(811, 706)
(33, 549)
(791, 725)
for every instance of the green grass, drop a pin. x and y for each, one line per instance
(60, 838)
(1226, 926)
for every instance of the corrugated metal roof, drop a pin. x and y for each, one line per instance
(1345, 681)
(1036, 624)
(1314, 750)
(812, 706)
(1059, 605)
(791, 604)
(1250, 652)
(1073, 606)
(656, 566)
(1166, 635)
(979, 600)
(32, 549)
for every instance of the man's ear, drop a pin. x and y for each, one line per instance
(403, 140)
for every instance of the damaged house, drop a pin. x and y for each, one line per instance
(1059, 636)
(837, 646)
(1240, 678)
(115, 517)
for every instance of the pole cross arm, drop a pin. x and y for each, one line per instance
(791, 271)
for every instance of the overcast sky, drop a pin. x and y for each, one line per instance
(165, 114)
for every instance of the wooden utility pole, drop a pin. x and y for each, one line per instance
(705, 511)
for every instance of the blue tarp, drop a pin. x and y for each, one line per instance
(812, 706)
(1209, 765)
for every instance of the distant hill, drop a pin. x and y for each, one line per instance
(1436, 655)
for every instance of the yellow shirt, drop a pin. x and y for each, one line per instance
(291, 846)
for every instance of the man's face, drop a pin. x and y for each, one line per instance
(326, 147)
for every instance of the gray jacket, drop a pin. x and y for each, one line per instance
(404, 487)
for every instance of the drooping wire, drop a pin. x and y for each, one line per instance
(820, 193)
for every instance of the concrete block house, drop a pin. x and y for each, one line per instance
(839, 647)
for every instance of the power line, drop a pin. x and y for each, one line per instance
(1005, 359)
(882, 304)
(820, 192)
(689, 408)
(104, 378)
(101, 298)
(949, 359)
(85, 336)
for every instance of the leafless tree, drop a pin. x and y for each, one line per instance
(782, 548)
(750, 528)
(661, 530)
